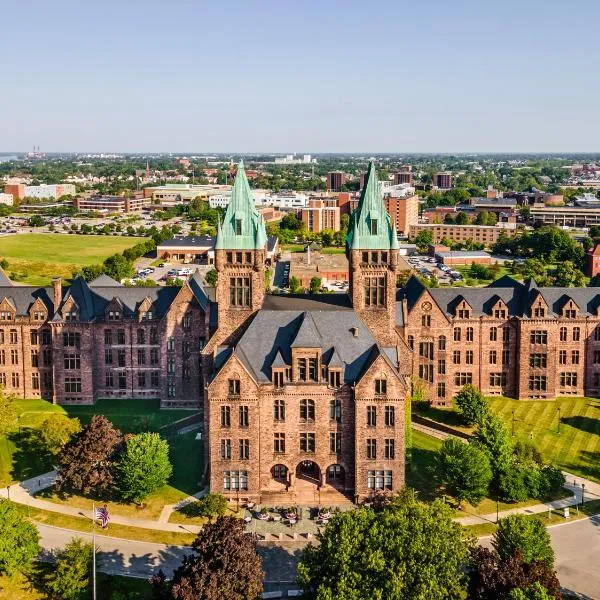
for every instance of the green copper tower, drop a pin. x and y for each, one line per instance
(243, 227)
(370, 226)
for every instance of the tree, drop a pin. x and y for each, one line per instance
(118, 267)
(57, 430)
(143, 466)
(212, 505)
(423, 239)
(461, 218)
(406, 550)
(315, 285)
(295, 285)
(494, 578)
(211, 278)
(90, 272)
(8, 412)
(524, 535)
(19, 542)
(464, 469)
(86, 461)
(224, 566)
(327, 237)
(566, 275)
(472, 404)
(480, 271)
(71, 576)
(36, 221)
(290, 221)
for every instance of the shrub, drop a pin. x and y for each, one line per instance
(212, 505)
(472, 404)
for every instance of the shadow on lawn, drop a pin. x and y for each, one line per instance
(587, 424)
(441, 415)
(420, 474)
(31, 456)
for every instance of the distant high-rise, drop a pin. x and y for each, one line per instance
(403, 177)
(443, 180)
(335, 180)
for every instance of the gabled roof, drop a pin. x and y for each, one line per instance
(241, 210)
(23, 296)
(334, 360)
(307, 335)
(272, 333)
(4, 280)
(278, 362)
(371, 208)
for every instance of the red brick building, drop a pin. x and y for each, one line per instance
(592, 261)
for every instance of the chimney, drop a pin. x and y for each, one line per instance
(57, 292)
(354, 331)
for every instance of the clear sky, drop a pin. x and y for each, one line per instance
(292, 76)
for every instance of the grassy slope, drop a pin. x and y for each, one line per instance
(37, 257)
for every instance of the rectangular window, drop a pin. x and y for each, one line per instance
(442, 366)
(35, 358)
(307, 442)
(538, 361)
(537, 383)
(233, 387)
(73, 385)
(14, 338)
(302, 369)
(335, 442)
(141, 336)
(47, 357)
(141, 377)
(576, 334)
(141, 356)
(121, 358)
(153, 356)
(226, 449)
(374, 291)
(109, 380)
(34, 337)
(426, 349)
(335, 379)
(456, 357)
(506, 334)
(278, 379)
(505, 357)
(71, 339)
(244, 449)
(72, 361)
(107, 337)
(562, 357)
(568, 380)
(596, 357)
(313, 372)
(154, 379)
(154, 335)
(371, 416)
(426, 320)
(279, 443)
(120, 336)
(426, 372)
(15, 380)
(497, 379)
(244, 418)
(562, 334)
(390, 416)
(469, 357)
(441, 390)
(597, 334)
(225, 416)
(379, 480)
(493, 357)
(575, 357)
(457, 334)
(122, 380)
(187, 322)
(235, 480)
(389, 449)
(463, 378)
(46, 337)
(469, 334)
(279, 410)
(380, 387)
(335, 411)
(371, 448)
(493, 334)
(108, 357)
(538, 337)
(239, 291)
(35, 381)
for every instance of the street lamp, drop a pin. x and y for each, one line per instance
(582, 494)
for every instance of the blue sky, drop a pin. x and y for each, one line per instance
(313, 76)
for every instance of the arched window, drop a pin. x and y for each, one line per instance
(442, 342)
(307, 410)
(279, 410)
(411, 342)
(563, 334)
(279, 472)
(457, 334)
(469, 334)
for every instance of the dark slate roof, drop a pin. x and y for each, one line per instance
(273, 332)
(196, 285)
(4, 280)
(104, 281)
(196, 241)
(23, 296)
(495, 201)
(481, 300)
(278, 362)
(307, 335)
(271, 243)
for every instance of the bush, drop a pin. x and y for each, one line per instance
(212, 505)
(518, 534)
(71, 576)
(472, 404)
(551, 480)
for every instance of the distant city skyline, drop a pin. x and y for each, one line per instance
(314, 77)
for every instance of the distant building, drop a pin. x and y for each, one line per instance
(404, 212)
(403, 177)
(54, 191)
(321, 214)
(6, 199)
(443, 180)
(592, 261)
(565, 216)
(483, 234)
(182, 193)
(335, 180)
(111, 204)
(464, 257)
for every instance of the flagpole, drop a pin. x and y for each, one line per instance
(94, 549)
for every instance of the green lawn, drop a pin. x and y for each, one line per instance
(21, 455)
(418, 474)
(574, 447)
(36, 257)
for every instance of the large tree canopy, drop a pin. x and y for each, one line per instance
(19, 539)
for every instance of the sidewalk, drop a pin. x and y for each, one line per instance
(21, 494)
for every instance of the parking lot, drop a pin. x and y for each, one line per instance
(427, 266)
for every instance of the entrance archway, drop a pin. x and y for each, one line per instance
(308, 470)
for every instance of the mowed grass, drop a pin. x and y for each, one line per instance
(574, 445)
(36, 257)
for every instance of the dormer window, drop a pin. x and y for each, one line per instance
(71, 315)
(238, 227)
(335, 378)
(38, 316)
(278, 378)
(500, 313)
(464, 313)
(570, 313)
(147, 315)
(308, 369)
(374, 226)
(114, 315)
(539, 311)
(6, 316)
(233, 388)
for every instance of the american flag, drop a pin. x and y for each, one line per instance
(102, 515)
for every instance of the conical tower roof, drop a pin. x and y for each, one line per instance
(371, 221)
(242, 227)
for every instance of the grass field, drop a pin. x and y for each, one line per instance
(574, 445)
(36, 257)
(21, 455)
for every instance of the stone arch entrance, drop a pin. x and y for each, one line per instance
(308, 470)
